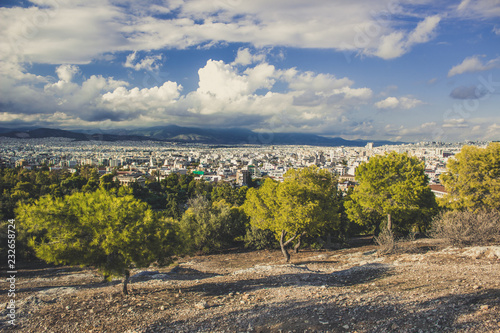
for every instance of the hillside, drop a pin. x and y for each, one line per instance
(430, 289)
(172, 133)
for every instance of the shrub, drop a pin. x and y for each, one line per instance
(259, 239)
(463, 228)
(389, 244)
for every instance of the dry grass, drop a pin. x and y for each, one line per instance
(463, 228)
(389, 244)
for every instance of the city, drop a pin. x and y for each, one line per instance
(152, 160)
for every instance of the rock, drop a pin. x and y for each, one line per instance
(201, 305)
(484, 307)
(346, 327)
(476, 287)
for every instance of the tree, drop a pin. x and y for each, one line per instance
(473, 179)
(99, 229)
(212, 226)
(392, 185)
(303, 203)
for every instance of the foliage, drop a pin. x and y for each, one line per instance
(473, 179)
(302, 204)
(393, 184)
(208, 227)
(463, 228)
(99, 229)
(259, 239)
(233, 195)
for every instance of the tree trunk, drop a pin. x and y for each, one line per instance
(283, 246)
(125, 281)
(389, 222)
(296, 247)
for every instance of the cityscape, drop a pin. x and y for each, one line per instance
(138, 161)
(258, 166)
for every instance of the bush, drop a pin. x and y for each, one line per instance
(386, 242)
(464, 228)
(389, 244)
(259, 239)
(208, 227)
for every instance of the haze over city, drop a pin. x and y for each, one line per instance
(410, 70)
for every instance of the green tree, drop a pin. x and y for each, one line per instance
(99, 229)
(392, 184)
(212, 226)
(473, 179)
(302, 204)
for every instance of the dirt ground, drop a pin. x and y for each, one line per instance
(430, 289)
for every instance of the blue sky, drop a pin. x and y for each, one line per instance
(407, 70)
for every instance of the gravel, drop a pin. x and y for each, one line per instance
(350, 290)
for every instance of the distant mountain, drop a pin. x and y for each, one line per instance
(242, 136)
(57, 133)
(172, 133)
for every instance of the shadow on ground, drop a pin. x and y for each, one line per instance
(448, 313)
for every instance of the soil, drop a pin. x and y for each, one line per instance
(425, 289)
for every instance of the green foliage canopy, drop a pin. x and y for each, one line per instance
(473, 179)
(393, 184)
(303, 203)
(209, 226)
(98, 229)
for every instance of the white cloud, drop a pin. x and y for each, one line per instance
(150, 63)
(245, 58)
(395, 103)
(398, 43)
(496, 30)
(66, 72)
(123, 99)
(473, 64)
(479, 8)
(79, 31)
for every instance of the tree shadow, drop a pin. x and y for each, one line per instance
(185, 273)
(348, 277)
(446, 313)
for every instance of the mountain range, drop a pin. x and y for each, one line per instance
(173, 133)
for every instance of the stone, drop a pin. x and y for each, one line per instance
(484, 307)
(201, 305)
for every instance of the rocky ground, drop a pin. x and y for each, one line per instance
(430, 289)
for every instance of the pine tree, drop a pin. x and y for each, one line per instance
(110, 232)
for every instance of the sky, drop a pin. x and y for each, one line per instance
(407, 70)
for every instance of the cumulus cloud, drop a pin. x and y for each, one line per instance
(123, 99)
(398, 103)
(224, 82)
(67, 72)
(468, 92)
(150, 63)
(245, 58)
(474, 64)
(228, 95)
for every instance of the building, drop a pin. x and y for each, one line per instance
(242, 177)
(438, 190)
